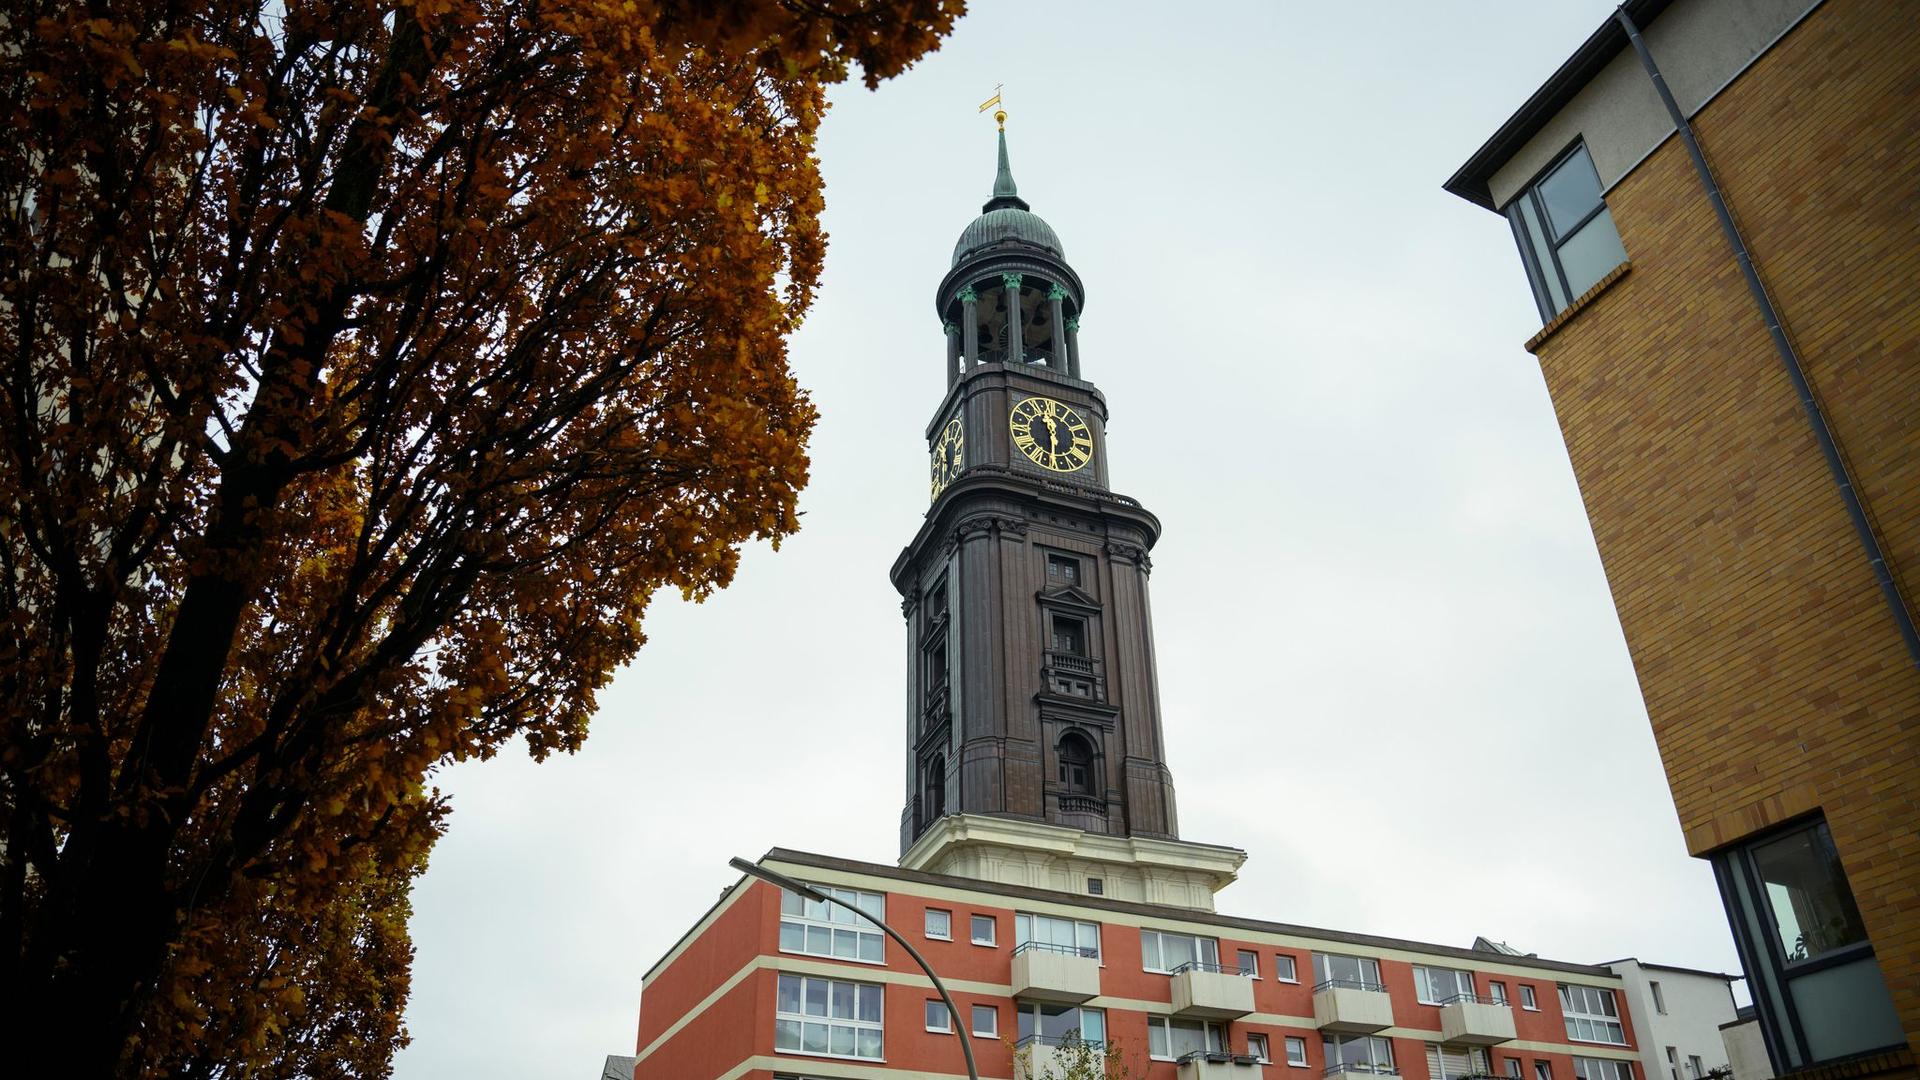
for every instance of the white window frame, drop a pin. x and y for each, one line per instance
(830, 1021)
(1212, 1034)
(1497, 992)
(1322, 976)
(1328, 1039)
(1696, 1068)
(1023, 934)
(935, 1003)
(1248, 962)
(811, 917)
(1293, 968)
(1478, 1061)
(927, 928)
(1528, 1000)
(1659, 999)
(1263, 1055)
(1574, 999)
(1543, 1070)
(1424, 975)
(992, 1031)
(1515, 1070)
(1206, 950)
(992, 940)
(1022, 1010)
(1586, 1068)
(1297, 1042)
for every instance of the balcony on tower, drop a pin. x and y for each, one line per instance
(1064, 974)
(1472, 1020)
(1205, 990)
(1070, 674)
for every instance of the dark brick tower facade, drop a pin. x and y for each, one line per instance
(1032, 687)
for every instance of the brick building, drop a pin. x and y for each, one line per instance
(1746, 437)
(1042, 871)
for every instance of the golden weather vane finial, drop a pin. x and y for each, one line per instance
(1000, 115)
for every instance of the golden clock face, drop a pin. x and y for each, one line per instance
(949, 454)
(1051, 435)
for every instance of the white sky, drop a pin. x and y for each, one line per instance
(1391, 669)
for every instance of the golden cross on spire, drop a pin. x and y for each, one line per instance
(1000, 115)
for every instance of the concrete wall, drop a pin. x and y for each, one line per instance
(1771, 666)
(1696, 1007)
(1747, 1050)
(1700, 46)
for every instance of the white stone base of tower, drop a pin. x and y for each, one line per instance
(1178, 873)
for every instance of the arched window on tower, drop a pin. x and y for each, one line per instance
(1076, 763)
(934, 797)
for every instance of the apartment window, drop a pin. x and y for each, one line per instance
(985, 930)
(1673, 1062)
(1076, 763)
(816, 928)
(1283, 968)
(1166, 953)
(1565, 232)
(1063, 570)
(1498, 990)
(986, 1021)
(1296, 1052)
(1249, 962)
(1257, 1048)
(1527, 1000)
(938, 1018)
(1513, 1069)
(1801, 941)
(1170, 1040)
(1602, 1069)
(1054, 934)
(1453, 1062)
(1096, 886)
(1659, 999)
(1353, 972)
(1592, 1015)
(1069, 635)
(1437, 986)
(827, 1016)
(1358, 1053)
(1052, 1024)
(939, 924)
(1695, 1067)
(1542, 1070)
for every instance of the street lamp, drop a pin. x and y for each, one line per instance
(782, 881)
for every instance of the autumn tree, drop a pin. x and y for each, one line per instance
(368, 364)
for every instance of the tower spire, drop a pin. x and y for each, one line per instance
(1005, 193)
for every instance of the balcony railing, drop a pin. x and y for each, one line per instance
(1216, 968)
(1469, 999)
(1064, 950)
(1350, 984)
(1068, 661)
(1070, 1040)
(1072, 674)
(1082, 804)
(1360, 1067)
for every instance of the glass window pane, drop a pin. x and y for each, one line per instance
(870, 948)
(1093, 1025)
(787, 997)
(939, 924)
(986, 1020)
(874, 904)
(1283, 967)
(1813, 909)
(1542, 253)
(1087, 937)
(813, 1038)
(1210, 951)
(1176, 950)
(817, 997)
(870, 1004)
(1150, 951)
(1591, 252)
(1157, 1037)
(786, 1034)
(1570, 192)
(869, 1042)
(1022, 929)
(842, 1001)
(790, 903)
(793, 936)
(937, 1016)
(1296, 1051)
(840, 1040)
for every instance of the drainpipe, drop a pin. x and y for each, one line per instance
(1856, 509)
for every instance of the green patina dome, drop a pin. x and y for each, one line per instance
(1006, 217)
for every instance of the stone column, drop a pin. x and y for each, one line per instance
(969, 327)
(1016, 322)
(1073, 346)
(1055, 299)
(953, 352)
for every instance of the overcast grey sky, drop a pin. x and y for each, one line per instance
(1391, 667)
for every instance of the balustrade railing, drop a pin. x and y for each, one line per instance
(1350, 984)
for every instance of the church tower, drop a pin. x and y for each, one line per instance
(1034, 747)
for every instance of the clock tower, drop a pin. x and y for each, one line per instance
(1034, 747)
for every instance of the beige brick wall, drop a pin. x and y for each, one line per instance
(1771, 666)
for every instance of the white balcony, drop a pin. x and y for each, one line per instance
(1036, 1058)
(1204, 991)
(1469, 1020)
(1059, 974)
(1204, 1065)
(1359, 1071)
(1351, 1006)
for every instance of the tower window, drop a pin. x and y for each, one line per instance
(1566, 234)
(1076, 764)
(1063, 570)
(1069, 635)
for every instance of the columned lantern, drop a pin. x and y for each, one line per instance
(1035, 754)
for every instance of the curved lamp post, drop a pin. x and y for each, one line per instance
(782, 881)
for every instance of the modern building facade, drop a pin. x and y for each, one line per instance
(1717, 207)
(1678, 1012)
(1042, 871)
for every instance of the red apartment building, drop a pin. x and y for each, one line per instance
(1041, 872)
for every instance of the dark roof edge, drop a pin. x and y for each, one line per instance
(1469, 181)
(830, 862)
(1674, 967)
